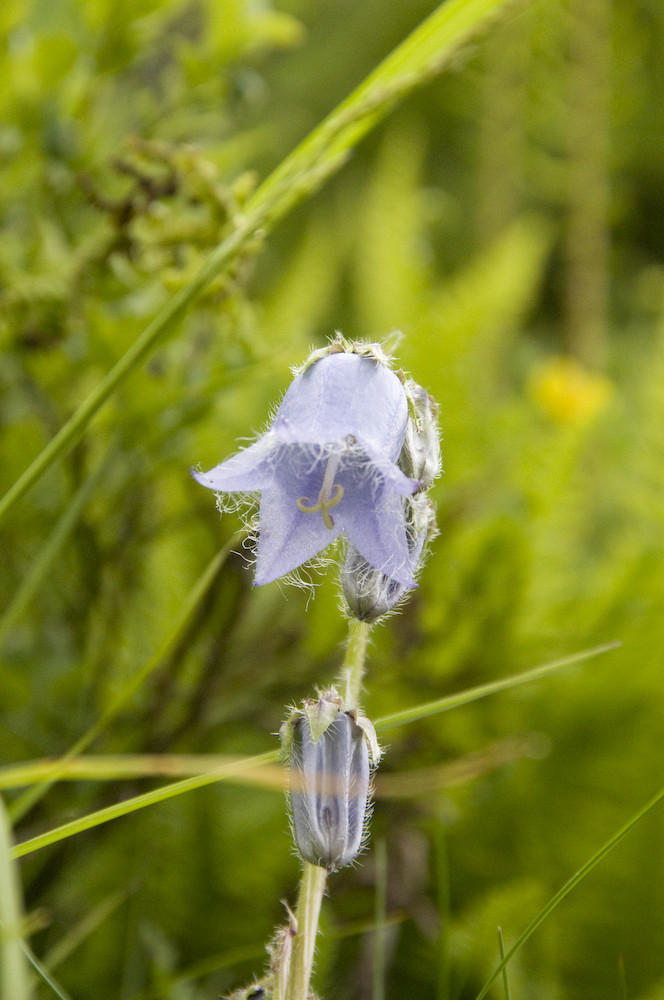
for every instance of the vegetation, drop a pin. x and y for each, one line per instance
(193, 193)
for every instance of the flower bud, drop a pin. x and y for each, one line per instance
(420, 454)
(368, 590)
(368, 593)
(330, 786)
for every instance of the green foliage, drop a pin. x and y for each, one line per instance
(505, 212)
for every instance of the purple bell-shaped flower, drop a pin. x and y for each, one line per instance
(329, 466)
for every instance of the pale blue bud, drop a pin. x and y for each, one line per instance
(329, 793)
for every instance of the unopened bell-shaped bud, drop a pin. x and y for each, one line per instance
(368, 593)
(330, 778)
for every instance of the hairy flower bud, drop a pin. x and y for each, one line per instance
(368, 593)
(420, 455)
(330, 783)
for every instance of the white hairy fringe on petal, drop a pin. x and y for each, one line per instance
(242, 504)
(310, 575)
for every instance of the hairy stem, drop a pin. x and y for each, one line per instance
(352, 671)
(312, 887)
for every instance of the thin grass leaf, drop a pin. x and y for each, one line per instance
(14, 980)
(380, 917)
(443, 900)
(44, 973)
(226, 773)
(484, 690)
(81, 931)
(418, 58)
(501, 947)
(118, 767)
(567, 888)
(237, 769)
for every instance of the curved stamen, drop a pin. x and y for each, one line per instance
(307, 507)
(328, 497)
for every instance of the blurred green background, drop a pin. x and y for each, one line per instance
(508, 218)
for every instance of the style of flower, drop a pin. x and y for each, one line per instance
(328, 466)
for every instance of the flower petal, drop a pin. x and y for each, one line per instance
(248, 471)
(378, 532)
(288, 537)
(342, 395)
(396, 481)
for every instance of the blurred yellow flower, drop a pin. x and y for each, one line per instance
(568, 392)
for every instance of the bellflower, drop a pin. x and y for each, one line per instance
(329, 466)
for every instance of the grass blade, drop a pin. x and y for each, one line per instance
(484, 690)
(236, 768)
(501, 945)
(567, 888)
(380, 917)
(224, 773)
(44, 974)
(123, 767)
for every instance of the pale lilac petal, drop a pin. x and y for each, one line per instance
(395, 480)
(288, 537)
(378, 532)
(248, 471)
(342, 395)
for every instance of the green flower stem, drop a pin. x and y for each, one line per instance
(312, 887)
(352, 672)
